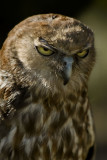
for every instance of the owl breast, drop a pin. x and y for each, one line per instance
(51, 130)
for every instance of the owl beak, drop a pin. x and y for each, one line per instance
(66, 74)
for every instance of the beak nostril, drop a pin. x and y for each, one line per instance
(65, 63)
(68, 61)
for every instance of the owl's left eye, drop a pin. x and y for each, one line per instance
(44, 51)
(83, 54)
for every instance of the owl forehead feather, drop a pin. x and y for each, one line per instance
(52, 22)
(63, 27)
(57, 29)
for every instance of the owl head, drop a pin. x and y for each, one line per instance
(49, 51)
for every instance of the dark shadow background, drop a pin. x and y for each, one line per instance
(12, 12)
(94, 14)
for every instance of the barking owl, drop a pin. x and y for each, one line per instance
(45, 114)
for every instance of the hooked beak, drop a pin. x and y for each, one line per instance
(66, 73)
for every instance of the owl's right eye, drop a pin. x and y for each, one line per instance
(44, 50)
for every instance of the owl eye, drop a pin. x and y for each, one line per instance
(83, 54)
(44, 51)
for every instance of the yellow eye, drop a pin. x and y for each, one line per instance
(44, 51)
(83, 53)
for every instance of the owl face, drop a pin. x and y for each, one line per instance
(56, 50)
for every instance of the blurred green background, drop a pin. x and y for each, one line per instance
(94, 14)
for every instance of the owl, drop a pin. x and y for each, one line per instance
(45, 114)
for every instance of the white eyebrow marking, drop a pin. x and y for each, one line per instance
(43, 42)
(88, 46)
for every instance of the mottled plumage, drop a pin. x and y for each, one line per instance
(45, 63)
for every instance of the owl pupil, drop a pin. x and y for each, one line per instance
(46, 49)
